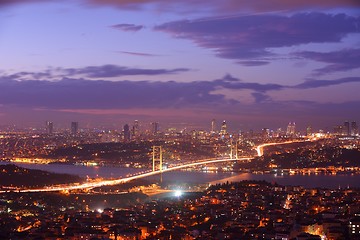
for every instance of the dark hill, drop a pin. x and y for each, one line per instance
(12, 175)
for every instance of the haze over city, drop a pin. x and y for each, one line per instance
(255, 64)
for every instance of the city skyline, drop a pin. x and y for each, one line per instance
(255, 65)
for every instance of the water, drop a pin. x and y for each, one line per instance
(308, 181)
(321, 180)
(82, 171)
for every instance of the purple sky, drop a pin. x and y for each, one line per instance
(254, 63)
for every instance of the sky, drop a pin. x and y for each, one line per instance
(256, 64)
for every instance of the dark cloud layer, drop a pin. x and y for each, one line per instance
(99, 94)
(231, 5)
(194, 101)
(343, 60)
(226, 6)
(251, 38)
(75, 93)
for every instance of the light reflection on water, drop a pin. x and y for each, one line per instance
(323, 181)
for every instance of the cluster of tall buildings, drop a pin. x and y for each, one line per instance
(133, 131)
(347, 129)
(74, 127)
(223, 127)
(128, 132)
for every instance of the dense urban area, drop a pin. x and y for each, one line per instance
(152, 209)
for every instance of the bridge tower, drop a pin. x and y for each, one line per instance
(234, 150)
(157, 156)
(260, 150)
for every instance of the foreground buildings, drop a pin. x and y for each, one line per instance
(243, 210)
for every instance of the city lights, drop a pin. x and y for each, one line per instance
(180, 119)
(178, 193)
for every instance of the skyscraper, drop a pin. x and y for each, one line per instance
(155, 128)
(49, 127)
(308, 131)
(223, 128)
(74, 127)
(213, 126)
(291, 128)
(136, 128)
(347, 128)
(354, 129)
(126, 132)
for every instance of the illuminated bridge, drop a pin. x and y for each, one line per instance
(260, 148)
(101, 183)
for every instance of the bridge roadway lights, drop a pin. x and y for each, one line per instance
(146, 174)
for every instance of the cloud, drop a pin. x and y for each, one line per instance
(4, 3)
(128, 27)
(260, 97)
(103, 71)
(31, 75)
(312, 83)
(141, 54)
(70, 93)
(76, 93)
(343, 60)
(172, 100)
(250, 38)
(253, 63)
(109, 71)
(233, 83)
(99, 94)
(215, 6)
(230, 5)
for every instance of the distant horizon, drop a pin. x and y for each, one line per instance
(179, 126)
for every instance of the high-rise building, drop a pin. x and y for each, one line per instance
(339, 130)
(155, 128)
(354, 129)
(49, 127)
(346, 128)
(223, 128)
(126, 132)
(136, 129)
(308, 131)
(213, 126)
(74, 127)
(291, 128)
